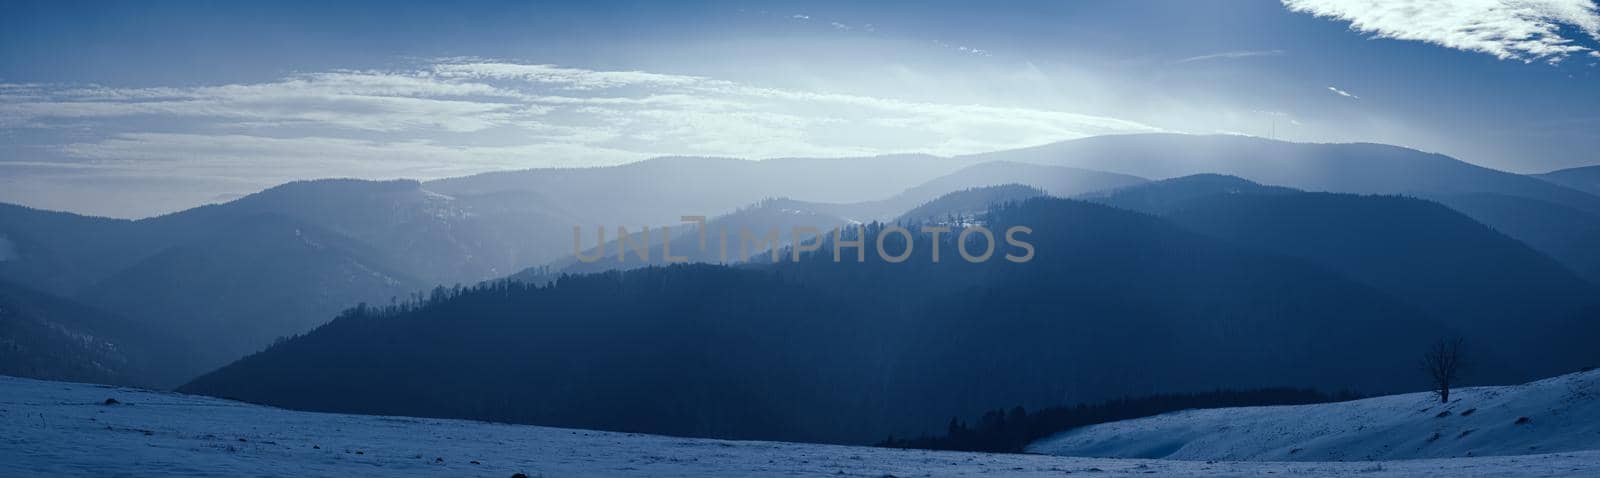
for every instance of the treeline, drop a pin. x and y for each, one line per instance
(1010, 431)
(1115, 304)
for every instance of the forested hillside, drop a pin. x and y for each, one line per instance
(1114, 304)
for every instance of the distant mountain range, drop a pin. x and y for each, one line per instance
(222, 281)
(1569, 235)
(1471, 276)
(1586, 179)
(48, 337)
(1116, 303)
(968, 204)
(228, 279)
(1163, 197)
(1360, 168)
(1231, 290)
(780, 215)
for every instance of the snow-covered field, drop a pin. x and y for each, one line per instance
(65, 429)
(1552, 415)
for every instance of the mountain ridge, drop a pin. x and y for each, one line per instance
(778, 343)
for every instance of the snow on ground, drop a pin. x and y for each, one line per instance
(65, 429)
(1552, 415)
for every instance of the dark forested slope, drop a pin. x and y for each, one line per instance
(1114, 304)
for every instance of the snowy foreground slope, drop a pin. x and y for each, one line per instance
(66, 429)
(1552, 415)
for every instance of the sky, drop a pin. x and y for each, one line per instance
(131, 109)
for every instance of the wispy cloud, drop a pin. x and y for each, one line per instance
(1526, 30)
(975, 51)
(551, 75)
(962, 48)
(462, 116)
(1232, 55)
(1343, 93)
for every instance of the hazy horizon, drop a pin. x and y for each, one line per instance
(228, 197)
(133, 110)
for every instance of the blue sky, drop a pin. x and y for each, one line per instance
(128, 109)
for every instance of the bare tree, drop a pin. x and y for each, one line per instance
(1444, 363)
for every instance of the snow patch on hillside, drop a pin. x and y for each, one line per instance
(65, 429)
(1552, 415)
